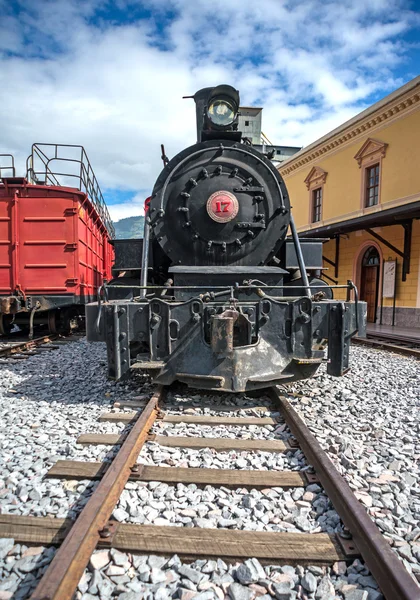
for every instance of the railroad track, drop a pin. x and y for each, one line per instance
(403, 346)
(23, 349)
(93, 528)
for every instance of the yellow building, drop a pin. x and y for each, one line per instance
(359, 187)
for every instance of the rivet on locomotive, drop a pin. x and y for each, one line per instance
(216, 296)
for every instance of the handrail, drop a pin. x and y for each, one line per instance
(10, 167)
(40, 169)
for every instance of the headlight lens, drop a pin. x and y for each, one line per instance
(221, 112)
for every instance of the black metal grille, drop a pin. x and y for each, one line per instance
(67, 165)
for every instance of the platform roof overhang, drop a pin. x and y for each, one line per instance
(398, 215)
(391, 216)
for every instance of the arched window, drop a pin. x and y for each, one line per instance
(371, 257)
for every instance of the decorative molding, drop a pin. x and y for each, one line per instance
(315, 178)
(371, 151)
(392, 111)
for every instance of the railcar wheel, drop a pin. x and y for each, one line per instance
(6, 324)
(52, 321)
(72, 320)
(63, 321)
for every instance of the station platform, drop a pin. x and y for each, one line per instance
(409, 334)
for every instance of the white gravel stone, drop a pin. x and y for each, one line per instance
(309, 582)
(369, 424)
(6, 544)
(284, 591)
(325, 589)
(240, 592)
(356, 594)
(157, 575)
(99, 560)
(191, 574)
(250, 571)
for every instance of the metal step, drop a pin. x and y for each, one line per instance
(148, 364)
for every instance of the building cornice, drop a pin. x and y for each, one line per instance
(394, 106)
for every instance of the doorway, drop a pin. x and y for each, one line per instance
(369, 283)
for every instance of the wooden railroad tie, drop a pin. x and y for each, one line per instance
(218, 444)
(218, 477)
(230, 545)
(141, 403)
(212, 421)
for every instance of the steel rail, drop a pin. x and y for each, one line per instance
(390, 346)
(392, 577)
(14, 348)
(62, 577)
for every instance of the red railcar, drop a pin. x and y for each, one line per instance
(55, 234)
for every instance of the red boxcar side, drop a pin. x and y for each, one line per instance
(54, 246)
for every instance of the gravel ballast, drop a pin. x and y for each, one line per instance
(368, 422)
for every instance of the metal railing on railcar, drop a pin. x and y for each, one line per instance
(40, 169)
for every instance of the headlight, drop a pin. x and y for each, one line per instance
(221, 112)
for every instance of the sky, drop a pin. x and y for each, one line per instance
(110, 74)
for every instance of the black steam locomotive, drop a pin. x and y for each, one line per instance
(216, 296)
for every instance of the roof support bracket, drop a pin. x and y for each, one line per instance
(385, 242)
(337, 255)
(334, 263)
(330, 262)
(325, 276)
(408, 229)
(406, 254)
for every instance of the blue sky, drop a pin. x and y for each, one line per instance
(110, 75)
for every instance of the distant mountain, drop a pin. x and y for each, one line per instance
(131, 227)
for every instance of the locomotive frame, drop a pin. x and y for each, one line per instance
(220, 299)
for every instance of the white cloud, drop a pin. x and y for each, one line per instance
(129, 208)
(69, 76)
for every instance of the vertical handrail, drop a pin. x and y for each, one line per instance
(10, 167)
(299, 255)
(15, 247)
(145, 251)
